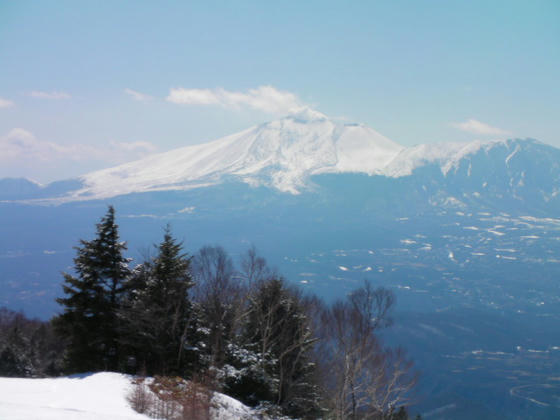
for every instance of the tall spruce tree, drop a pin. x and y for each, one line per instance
(89, 321)
(159, 326)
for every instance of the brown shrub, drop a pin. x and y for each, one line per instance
(171, 398)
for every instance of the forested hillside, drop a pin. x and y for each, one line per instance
(238, 329)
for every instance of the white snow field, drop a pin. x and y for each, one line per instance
(99, 396)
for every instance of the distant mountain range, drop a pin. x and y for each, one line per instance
(288, 155)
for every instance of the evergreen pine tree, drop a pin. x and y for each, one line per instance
(159, 327)
(89, 321)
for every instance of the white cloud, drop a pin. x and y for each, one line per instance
(476, 127)
(135, 146)
(193, 96)
(188, 210)
(49, 95)
(264, 98)
(138, 96)
(21, 146)
(5, 103)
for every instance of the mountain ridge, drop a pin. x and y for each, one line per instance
(283, 154)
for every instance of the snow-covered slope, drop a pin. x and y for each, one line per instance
(99, 396)
(281, 154)
(446, 155)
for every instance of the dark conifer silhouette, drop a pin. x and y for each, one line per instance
(89, 321)
(158, 321)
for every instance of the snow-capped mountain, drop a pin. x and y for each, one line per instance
(282, 154)
(289, 154)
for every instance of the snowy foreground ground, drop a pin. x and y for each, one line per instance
(99, 396)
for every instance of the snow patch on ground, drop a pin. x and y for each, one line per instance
(98, 396)
(227, 408)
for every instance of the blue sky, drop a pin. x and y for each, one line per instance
(86, 85)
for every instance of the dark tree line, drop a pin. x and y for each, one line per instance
(28, 347)
(246, 331)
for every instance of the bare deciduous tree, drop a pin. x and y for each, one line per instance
(390, 385)
(281, 330)
(219, 293)
(364, 380)
(254, 268)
